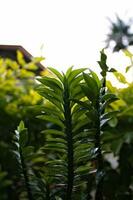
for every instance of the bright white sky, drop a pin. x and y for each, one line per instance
(72, 32)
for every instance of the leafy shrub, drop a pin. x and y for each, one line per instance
(83, 126)
(17, 86)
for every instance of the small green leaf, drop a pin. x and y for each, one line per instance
(44, 91)
(51, 82)
(107, 102)
(112, 70)
(89, 93)
(20, 58)
(104, 122)
(120, 77)
(76, 82)
(82, 169)
(128, 68)
(56, 140)
(37, 59)
(53, 132)
(51, 99)
(113, 122)
(94, 75)
(84, 104)
(21, 126)
(108, 96)
(29, 150)
(80, 124)
(102, 63)
(74, 74)
(92, 84)
(69, 71)
(109, 115)
(51, 119)
(57, 73)
(23, 139)
(23, 135)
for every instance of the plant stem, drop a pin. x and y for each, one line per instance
(26, 178)
(99, 157)
(68, 133)
(99, 184)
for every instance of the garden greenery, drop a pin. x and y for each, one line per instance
(83, 124)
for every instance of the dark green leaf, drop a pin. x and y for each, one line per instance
(56, 73)
(51, 119)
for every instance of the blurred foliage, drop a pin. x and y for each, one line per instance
(17, 92)
(120, 34)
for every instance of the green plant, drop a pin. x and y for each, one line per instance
(64, 140)
(83, 126)
(78, 102)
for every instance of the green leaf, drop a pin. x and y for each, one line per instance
(57, 73)
(108, 96)
(91, 82)
(109, 115)
(23, 139)
(84, 104)
(79, 95)
(55, 145)
(37, 59)
(69, 71)
(21, 126)
(76, 82)
(83, 157)
(29, 150)
(78, 114)
(128, 68)
(43, 91)
(102, 63)
(82, 147)
(95, 77)
(51, 82)
(52, 100)
(53, 132)
(84, 134)
(74, 74)
(92, 115)
(23, 135)
(120, 77)
(51, 119)
(104, 122)
(116, 146)
(107, 102)
(89, 93)
(113, 122)
(56, 140)
(80, 124)
(53, 111)
(112, 70)
(20, 58)
(82, 169)
(75, 92)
